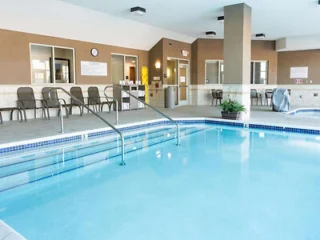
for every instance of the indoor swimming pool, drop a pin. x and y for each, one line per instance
(221, 183)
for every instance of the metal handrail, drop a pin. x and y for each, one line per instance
(116, 100)
(95, 114)
(155, 109)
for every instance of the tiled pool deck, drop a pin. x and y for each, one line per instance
(33, 129)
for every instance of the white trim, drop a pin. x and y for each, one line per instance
(53, 61)
(219, 70)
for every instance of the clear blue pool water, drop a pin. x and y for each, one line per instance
(306, 113)
(221, 183)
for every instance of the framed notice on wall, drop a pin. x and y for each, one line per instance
(94, 68)
(299, 72)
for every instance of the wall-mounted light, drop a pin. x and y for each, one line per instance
(158, 65)
(138, 11)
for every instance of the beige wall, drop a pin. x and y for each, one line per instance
(213, 49)
(309, 58)
(173, 49)
(15, 56)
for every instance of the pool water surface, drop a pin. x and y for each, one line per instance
(221, 183)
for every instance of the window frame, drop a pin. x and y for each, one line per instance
(124, 65)
(254, 72)
(53, 63)
(219, 71)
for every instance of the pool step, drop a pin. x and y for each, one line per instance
(33, 167)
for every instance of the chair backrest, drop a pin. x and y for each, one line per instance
(254, 93)
(51, 99)
(269, 93)
(77, 92)
(213, 93)
(219, 93)
(26, 97)
(94, 96)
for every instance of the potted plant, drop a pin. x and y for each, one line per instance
(231, 109)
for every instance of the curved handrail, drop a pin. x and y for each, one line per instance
(158, 111)
(95, 114)
(117, 104)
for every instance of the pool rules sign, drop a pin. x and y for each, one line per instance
(94, 68)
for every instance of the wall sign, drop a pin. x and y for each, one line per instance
(299, 72)
(185, 53)
(94, 68)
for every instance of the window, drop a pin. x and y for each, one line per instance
(259, 72)
(214, 72)
(124, 68)
(50, 64)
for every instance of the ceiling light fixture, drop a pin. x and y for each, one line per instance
(221, 18)
(260, 35)
(210, 34)
(138, 11)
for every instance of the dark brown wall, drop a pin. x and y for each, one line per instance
(213, 49)
(156, 54)
(309, 58)
(15, 56)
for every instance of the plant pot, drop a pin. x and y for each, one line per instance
(231, 115)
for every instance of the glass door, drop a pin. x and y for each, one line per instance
(183, 84)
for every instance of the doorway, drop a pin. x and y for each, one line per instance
(178, 72)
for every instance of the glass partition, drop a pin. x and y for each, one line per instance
(124, 68)
(41, 64)
(45, 69)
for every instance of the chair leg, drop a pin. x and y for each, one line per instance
(66, 109)
(25, 115)
(1, 121)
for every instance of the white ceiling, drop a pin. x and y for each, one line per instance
(275, 18)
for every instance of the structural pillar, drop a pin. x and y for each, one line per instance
(237, 54)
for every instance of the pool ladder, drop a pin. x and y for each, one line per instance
(122, 163)
(138, 99)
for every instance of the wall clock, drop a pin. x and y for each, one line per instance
(94, 52)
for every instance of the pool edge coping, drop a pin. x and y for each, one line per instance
(81, 135)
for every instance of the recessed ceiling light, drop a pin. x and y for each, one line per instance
(260, 35)
(210, 34)
(221, 18)
(138, 11)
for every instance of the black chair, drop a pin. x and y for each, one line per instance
(255, 95)
(27, 101)
(51, 100)
(219, 94)
(94, 99)
(77, 93)
(214, 95)
(268, 95)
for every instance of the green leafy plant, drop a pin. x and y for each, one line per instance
(231, 106)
